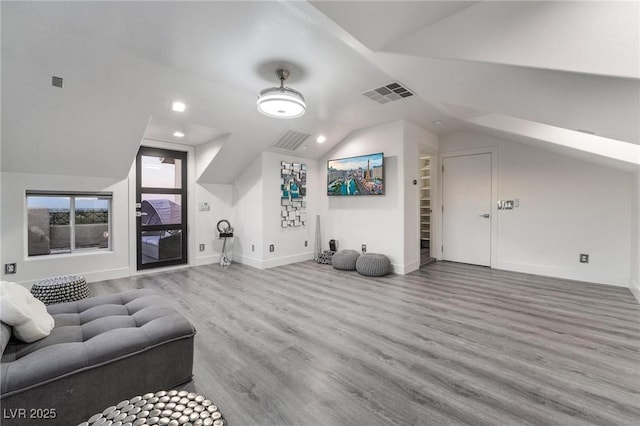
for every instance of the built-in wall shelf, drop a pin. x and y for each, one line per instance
(425, 202)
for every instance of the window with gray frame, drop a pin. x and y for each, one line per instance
(68, 222)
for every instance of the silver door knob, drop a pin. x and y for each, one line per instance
(486, 215)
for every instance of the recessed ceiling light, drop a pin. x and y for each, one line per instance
(321, 139)
(438, 123)
(178, 134)
(178, 106)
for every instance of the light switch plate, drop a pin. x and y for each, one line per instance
(203, 206)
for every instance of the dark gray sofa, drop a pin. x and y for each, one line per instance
(101, 351)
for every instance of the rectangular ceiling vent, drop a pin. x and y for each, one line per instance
(290, 140)
(391, 92)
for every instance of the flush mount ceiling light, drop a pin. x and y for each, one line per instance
(281, 102)
(178, 134)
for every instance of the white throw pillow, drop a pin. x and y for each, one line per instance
(27, 315)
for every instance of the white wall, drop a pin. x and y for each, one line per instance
(634, 283)
(256, 195)
(567, 207)
(288, 242)
(387, 224)
(415, 140)
(121, 260)
(220, 199)
(97, 265)
(376, 221)
(248, 209)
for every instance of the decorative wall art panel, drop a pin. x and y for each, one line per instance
(293, 189)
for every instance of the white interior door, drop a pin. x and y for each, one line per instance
(466, 215)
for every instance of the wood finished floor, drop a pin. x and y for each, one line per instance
(304, 344)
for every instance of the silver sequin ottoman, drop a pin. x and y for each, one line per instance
(172, 408)
(67, 288)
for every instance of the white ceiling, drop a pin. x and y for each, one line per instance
(566, 65)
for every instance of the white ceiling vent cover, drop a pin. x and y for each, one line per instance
(389, 93)
(290, 140)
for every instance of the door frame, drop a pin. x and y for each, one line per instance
(493, 151)
(184, 191)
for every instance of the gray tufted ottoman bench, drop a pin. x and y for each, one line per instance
(373, 265)
(345, 260)
(102, 349)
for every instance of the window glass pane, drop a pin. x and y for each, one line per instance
(161, 245)
(161, 209)
(92, 222)
(158, 172)
(48, 227)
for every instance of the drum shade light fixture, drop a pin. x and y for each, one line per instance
(281, 102)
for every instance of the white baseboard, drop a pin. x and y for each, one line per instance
(286, 260)
(249, 261)
(208, 260)
(635, 289)
(111, 274)
(405, 269)
(91, 277)
(566, 274)
(273, 262)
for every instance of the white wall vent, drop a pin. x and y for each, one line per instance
(290, 140)
(389, 93)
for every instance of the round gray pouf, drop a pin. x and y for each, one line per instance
(345, 260)
(373, 265)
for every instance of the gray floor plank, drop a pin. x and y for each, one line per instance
(304, 344)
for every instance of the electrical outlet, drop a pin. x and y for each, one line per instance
(10, 268)
(364, 248)
(272, 248)
(584, 258)
(201, 247)
(306, 243)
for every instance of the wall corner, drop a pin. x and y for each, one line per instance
(635, 289)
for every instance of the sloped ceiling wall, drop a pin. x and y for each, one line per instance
(569, 65)
(86, 128)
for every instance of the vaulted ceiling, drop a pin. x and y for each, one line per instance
(533, 72)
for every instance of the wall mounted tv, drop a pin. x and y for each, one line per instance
(363, 175)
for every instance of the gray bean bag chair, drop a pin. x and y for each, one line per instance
(101, 351)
